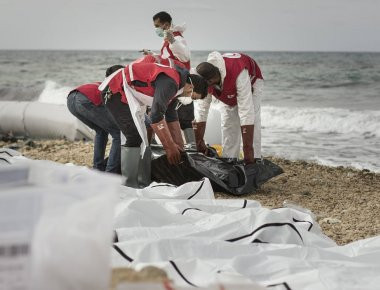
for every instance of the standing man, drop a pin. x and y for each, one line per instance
(236, 80)
(148, 84)
(85, 103)
(175, 47)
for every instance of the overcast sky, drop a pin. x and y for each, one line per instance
(316, 25)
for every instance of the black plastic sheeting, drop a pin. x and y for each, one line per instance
(226, 175)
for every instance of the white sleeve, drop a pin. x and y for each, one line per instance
(180, 49)
(201, 108)
(244, 99)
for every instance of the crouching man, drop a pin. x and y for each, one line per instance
(85, 103)
(154, 85)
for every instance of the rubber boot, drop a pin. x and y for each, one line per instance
(175, 131)
(130, 160)
(247, 136)
(144, 174)
(189, 135)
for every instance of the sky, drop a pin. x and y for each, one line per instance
(265, 25)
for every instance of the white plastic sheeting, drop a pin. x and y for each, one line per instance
(41, 120)
(55, 225)
(200, 241)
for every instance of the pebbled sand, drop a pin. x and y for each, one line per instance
(345, 201)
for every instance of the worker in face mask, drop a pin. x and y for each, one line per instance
(175, 48)
(174, 45)
(157, 86)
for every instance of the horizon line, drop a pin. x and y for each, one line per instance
(193, 50)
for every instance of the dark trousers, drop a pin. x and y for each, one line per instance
(123, 117)
(186, 116)
(98, 119)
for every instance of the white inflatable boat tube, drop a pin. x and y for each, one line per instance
(41, 120)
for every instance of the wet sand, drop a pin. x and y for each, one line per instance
(346, 201)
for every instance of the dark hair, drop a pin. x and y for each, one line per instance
(207, 70)
(163, 17)
(199, 83)
(112, 69)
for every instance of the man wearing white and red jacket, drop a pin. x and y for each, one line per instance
(148, 84)
(174, 45)
(175, 48)
(236, 81)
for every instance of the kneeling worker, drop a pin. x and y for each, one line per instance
(154, 85)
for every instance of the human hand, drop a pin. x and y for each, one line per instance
(201, 147)
(169, 36)
(173, 154)
(146, 51)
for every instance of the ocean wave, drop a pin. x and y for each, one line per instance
(353, 164)
(15, 93)
(323, 120)
(54, 93)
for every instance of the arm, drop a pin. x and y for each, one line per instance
(244, 99)
(180, 49)
(165, 89)
(201, 108)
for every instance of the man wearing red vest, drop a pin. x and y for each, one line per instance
(85, 103)
(175, 48)
(174, 45)
(154, 85)
(236, 81)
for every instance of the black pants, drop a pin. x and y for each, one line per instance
(123, 117)
(186, 116)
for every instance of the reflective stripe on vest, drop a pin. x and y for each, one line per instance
(166, 44)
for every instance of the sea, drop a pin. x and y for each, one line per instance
(317, 106)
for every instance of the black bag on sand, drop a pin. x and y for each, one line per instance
(226, 175)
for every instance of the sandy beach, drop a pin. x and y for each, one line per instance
(345, 201)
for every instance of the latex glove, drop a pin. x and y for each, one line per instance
(201, 147)
(173, 154)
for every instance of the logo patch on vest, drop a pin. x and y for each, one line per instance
(230, 96)
(232, 55)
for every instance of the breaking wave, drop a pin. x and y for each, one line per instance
(323, 120)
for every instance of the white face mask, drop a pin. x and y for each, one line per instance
(186, 100)
(159, 31)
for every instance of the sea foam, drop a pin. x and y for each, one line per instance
(323, 120)
(53, 93)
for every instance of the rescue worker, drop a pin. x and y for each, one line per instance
(85, 103)
(236, 81)
(154, 58)
(175, 47)
(154, 85)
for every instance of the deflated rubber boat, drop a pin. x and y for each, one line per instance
(41, 120)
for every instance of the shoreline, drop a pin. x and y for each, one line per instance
(345, 201)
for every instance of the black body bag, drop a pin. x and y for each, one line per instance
(226, 175)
